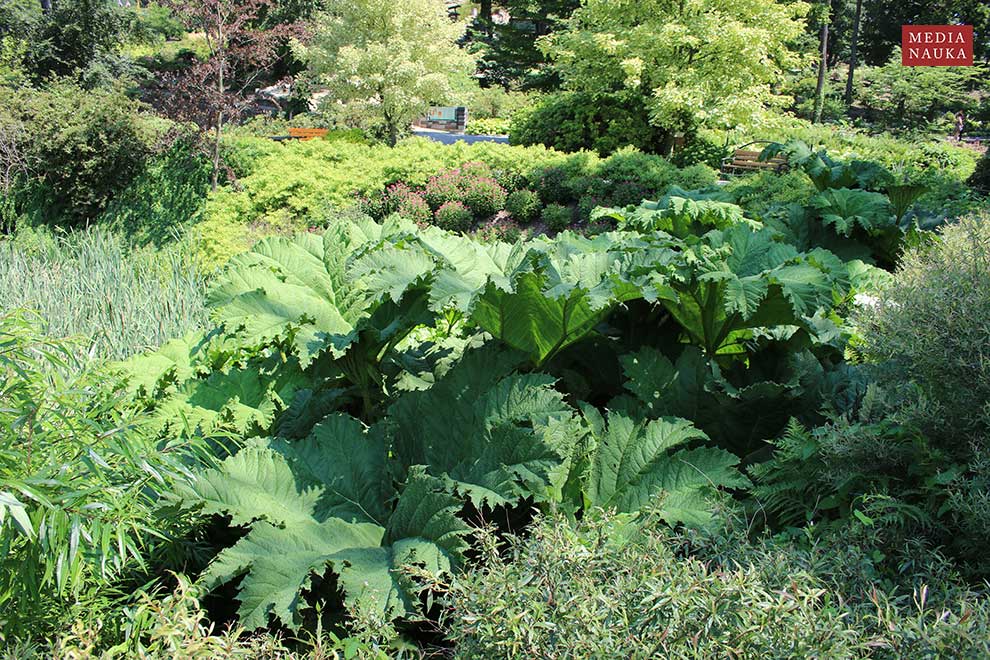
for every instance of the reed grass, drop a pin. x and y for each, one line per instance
(92, 284)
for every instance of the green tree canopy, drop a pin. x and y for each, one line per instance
(700, 62)
(398, 57)
(915, 95)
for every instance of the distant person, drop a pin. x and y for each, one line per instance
(959, 125)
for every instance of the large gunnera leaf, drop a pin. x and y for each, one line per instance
(241, 399)
(292, 288)
(484, 428)
(846, 209)
(325, 503)
(537, 297)
(635, 461)
(767, 392)
(725, 283)
(678, 213)
(552, 301)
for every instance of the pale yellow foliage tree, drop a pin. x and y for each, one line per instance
(696, 62)
(397, 58)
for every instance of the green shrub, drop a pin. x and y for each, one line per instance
(484, 196)
(76, 39)
(557, 217)
(523, 206)
(626, 177)
(487, 127)
(699, 149)
(552, 185)
(572, 121)
(83, 147)
(980, 178)
(163, 200)
(631, 164)
(930, 326)
(157, 22)
(609, 589)
(453, 216)
(699, 175)
(759, 191)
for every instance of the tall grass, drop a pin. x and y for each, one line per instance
(93, 284)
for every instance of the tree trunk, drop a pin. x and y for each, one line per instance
(46, 6)
(485, 14)
(854, 43)
(822, 66)
(215, 175)
(391, 127)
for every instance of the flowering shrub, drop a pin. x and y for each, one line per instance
(484, 196)
(523, 206)
(414, 207)
(453, 216)
(401, 199)
(471, 184)
(443, 188)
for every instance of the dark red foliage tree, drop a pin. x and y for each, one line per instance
(215, 91)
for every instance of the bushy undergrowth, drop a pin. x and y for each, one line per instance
(388, 384)
(941, 166)
(932, 323)
(523, 206)
(905, 452)
(94, 285)
(78, 481)
(577, 182)
(79, 149)
(606, 587)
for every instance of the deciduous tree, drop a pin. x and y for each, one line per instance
(702, 62)
(213, 92)
(396, 57)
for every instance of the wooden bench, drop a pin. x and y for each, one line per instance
(747, 160)
(307, 133)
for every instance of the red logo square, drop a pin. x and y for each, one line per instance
(937, 45)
